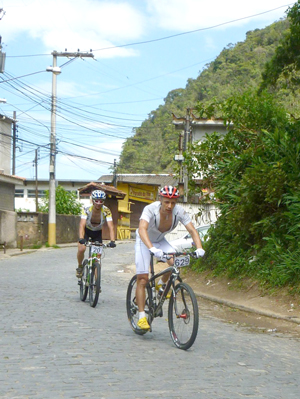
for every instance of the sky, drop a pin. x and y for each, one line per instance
(142, 49)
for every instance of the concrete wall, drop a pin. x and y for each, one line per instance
(8, 228)
(33, 227)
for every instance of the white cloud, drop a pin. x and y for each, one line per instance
(99, 24)
(187, 15)
(74, 24)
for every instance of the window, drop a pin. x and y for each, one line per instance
(31, 193)
(19, 193)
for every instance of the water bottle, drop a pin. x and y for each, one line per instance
(160, 291)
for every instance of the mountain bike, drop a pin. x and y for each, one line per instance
(90, 282)
(183, 316)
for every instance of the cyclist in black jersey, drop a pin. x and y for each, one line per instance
(92, 220)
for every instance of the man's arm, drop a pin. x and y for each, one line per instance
(111, 230)
(82, 225)
(194, 233)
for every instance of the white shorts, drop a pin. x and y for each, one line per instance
(142, 254)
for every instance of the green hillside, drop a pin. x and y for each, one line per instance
(238, 68)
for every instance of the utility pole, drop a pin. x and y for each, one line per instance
(184, 124)
(52, 203)
(115, 173)
(14, 143)
(186, 139)
(36, 180)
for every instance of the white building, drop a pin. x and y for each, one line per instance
(26, 195)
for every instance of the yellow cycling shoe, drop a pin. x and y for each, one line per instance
(143, 324)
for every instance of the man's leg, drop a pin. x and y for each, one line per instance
(80, 256)
(140, 294)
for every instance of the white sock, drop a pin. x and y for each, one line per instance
(141, 315)
(160, 282)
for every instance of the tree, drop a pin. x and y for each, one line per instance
(286, 60)
(254, 171)
(66, 202)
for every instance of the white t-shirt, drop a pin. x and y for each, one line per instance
(152, 216)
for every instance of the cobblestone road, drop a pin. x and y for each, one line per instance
(52, 345)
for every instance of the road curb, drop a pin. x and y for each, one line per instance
(235, 305)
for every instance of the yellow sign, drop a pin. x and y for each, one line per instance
(139, 193)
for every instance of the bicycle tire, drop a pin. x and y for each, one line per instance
(83, 285)
(132, 308)
(183, 316)
(94, 287)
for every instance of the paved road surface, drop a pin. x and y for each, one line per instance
(54, 346)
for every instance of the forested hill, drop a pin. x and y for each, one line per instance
(237, 68)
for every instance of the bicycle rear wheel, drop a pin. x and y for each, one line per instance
(83, 284)
(94, 288)
(132, 308)
(183, 316)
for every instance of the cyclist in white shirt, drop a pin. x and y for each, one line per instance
(158, 219)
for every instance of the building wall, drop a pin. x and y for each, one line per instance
(130, 209)
(7, 196)
(25, 195)
(8, 228)
(5, 145)
(199, 130)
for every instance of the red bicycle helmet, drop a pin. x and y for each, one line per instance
(169, 192)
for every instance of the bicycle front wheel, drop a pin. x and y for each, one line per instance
(183, 316)
(83, 285)
(94, 288)
(132, 307)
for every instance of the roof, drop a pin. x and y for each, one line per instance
(6, 119)
(11, 179)
(110, 190)
(152, 179)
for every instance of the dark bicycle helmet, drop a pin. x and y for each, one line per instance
(98, 195)
(169, 192)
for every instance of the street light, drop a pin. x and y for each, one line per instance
(52, 203)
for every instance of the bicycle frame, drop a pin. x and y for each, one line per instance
(156, 308)
(93, 256)
(91, 279)
(183, 312)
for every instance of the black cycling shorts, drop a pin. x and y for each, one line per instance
(93, 235)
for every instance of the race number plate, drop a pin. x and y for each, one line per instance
(181, 261)
(96, 250)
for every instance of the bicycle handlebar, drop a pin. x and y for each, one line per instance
(96, 243)
(168, 255)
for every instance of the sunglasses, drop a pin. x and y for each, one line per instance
(98, 202)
